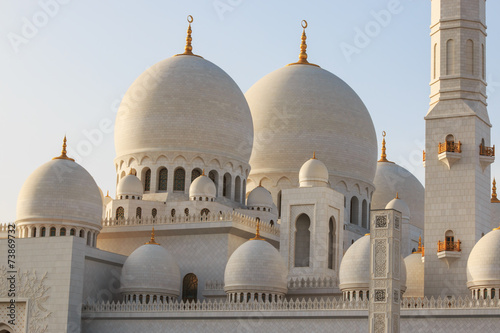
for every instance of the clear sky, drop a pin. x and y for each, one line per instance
(65, 72)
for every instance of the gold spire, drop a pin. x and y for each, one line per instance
(63, 152)
(383, 157)
(420, 247)
(303, 48)
(314, 155)
(203, 172)
(494, 198)
(257, 232)
(397, 195)
(188, 49)
(107, 194)
(152, 240)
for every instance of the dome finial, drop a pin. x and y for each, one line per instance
(420, 248)
(107, 193)
(152, 240)
(63, 152)
(314, 155)
(188, 49)
(494, 197)
(257, 232)
(397, 195)
(383, 157)
(303, 48)
(203, 172)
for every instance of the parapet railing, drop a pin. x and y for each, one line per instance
(229, 216)
(286, 305)
(450, 146)
(486, 151)
(449, 246)
(312, 282)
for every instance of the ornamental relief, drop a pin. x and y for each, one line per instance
(379, 322)
(31, 286)
(380, 259)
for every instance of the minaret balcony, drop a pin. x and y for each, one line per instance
(449, 251)
(486, 156)
(450, 152)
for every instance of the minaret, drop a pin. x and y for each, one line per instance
(458, 157)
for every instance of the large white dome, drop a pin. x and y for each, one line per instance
(302, 108)
(256, 266)
(391, 179)
(313, 173)
(354, 273)
(184, 104)
(483, 266)
(60, 192)
(202, 187)
(151, 269)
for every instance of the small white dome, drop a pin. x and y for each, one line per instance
(60, 192)
(130, 185)
(392, 178)
(354, 273)
(399, 205)
(483, 266)
(313, 173)
(260, 197)
(415, 275)
(151, 269)
(202, 187)
(256, 266)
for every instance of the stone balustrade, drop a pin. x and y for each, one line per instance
(229, 216)
(312, 282)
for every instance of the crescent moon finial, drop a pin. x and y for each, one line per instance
(304, 24)
(190, 19)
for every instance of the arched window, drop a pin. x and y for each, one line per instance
(354, 210)
(62, 232)
(162, 179)
(205, 211)
(364, 214)
(154, 212)
(33, 232)
(172, 212)
(279, 204)
(237, 189)
(469, 57)
(72, 232)
(450, 57)
(195, 174)
(226, 191)
(271, 223)
(186, 211)
(483, 62)
(302, 241)
(214, 175)
(179, 179)
(138, 212)
(435, 63)
(52, 231)
(42, 233)
(331, 244)
(244, 191)
(89, 238)
(82, 233)
(190, 288)
(147, 180)
(120, 213)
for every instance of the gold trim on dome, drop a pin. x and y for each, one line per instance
(257, 232)
(383, 156)
(63, 152)
(152, 240)
(367, 234)
(496, 229)
(188, 49)
(494, 198)
(303, 48)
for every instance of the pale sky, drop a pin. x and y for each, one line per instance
(64, 66)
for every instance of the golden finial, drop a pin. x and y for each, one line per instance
(303, 48)
(63, 152)
(107, 194)
(203, 172)
(397, 195)
(152, 240)
(383, 157)
(188, 49)
(257, 232)
(494, 197)
(367, 234)
(314, 155)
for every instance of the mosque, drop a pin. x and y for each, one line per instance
(253, 212)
